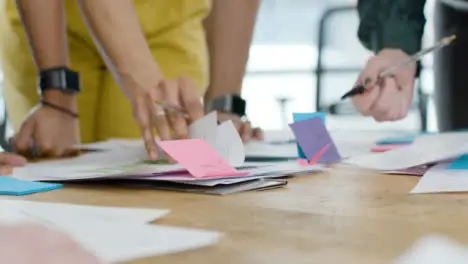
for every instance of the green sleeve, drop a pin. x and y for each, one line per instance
(391, 24)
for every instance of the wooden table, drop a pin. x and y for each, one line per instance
(344, 216)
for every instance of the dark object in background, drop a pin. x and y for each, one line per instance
(451, 68)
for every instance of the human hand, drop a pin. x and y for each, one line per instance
(388, 98)
(243, 127)
(170, 124)
(8, 161)
(54, 133)
(28, 244)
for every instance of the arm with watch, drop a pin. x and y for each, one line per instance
(229, 40)
(52, 126)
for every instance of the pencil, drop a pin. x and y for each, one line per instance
(359, 89)
(171, 107)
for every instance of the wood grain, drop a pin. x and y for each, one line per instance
(346, 215)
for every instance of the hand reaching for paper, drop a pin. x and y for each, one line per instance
(244, 127)
(53, 132)
(170, 124)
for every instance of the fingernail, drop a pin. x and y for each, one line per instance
(153, 155)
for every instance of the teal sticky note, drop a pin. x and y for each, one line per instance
(12, 186)
(459, 164)
(404, 139)
(302, 117)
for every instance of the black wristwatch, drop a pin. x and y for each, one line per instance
(59, 78)
(230, 103)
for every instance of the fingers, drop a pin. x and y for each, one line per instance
(386, 105)
(257, 133)
(160, 114)
(142, 107)
(190, 99)
(246, 131)
(176, 119)
(21, 142)
(387, 98)
(12, 159)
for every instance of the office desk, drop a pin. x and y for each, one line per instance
(344, 216)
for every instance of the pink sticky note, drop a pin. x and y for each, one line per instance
(199, 158)
(315, 158)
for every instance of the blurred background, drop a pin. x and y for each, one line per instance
(306, 54)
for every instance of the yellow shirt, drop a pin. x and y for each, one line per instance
(174, 32)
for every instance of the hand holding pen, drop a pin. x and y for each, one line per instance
(384, 89)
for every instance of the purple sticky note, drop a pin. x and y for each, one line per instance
(312, 136)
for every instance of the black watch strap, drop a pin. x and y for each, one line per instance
(59, 78)
(228, 103)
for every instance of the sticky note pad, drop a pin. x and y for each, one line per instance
(199, 158)
(305, 116)
(459, 164)
(312, 137)
(12, 186)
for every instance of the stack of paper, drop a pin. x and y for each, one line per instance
(112, 234)
(427, 149)
(215, 153)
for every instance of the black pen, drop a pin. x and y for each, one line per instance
(361, 88)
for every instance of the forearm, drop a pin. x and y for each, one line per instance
(391, 24)
(117, 33)
(45, 26)
(44, 23)
(229, 29)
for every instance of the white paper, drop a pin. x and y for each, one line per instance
(434, 249)
(424, 150)
(224, 138)
(61, 211)
(438, 179)
(119, 242)
(259, 149)
(229, 144)
(205, 128)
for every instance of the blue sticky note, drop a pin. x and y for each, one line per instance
(460, 163)
(12, 186)
(304, 116)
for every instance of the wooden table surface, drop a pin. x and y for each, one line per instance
(342, 216)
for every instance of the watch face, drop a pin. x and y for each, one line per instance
(61, 79)
(230, 104)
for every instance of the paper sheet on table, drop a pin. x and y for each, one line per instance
(119, 242)
(424, 150)
(434, 249)
(438, 179)
(259, 149)
(61, 211)
(115, 163)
